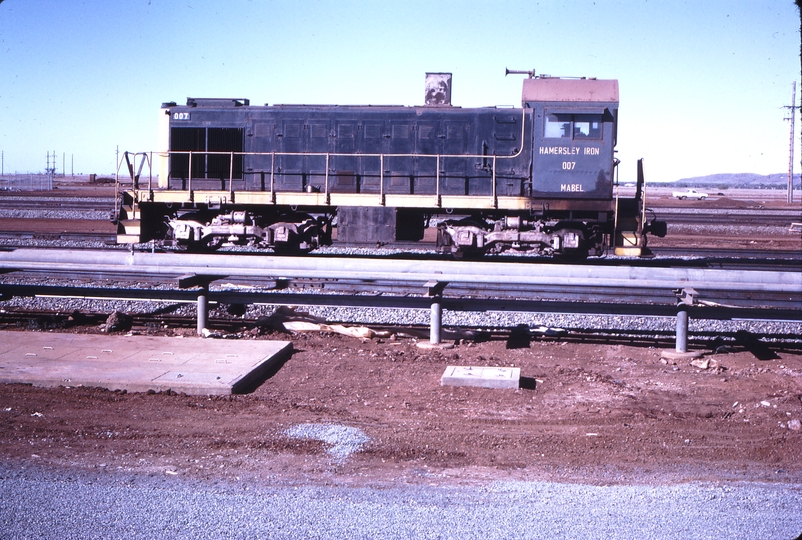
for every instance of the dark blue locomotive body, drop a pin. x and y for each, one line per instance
(296, 145)
(293, 177)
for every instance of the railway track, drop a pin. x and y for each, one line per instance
(729, 257)
(68, 218)
(234, 327)
(16, 238)
(49, 202)
(729, 216)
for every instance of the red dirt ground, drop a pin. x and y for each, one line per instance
(590, 411)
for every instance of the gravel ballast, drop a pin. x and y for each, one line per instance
(465, 319)
(65, 505)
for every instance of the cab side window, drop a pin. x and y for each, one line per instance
(573, 126)
(558, 126)
(587, 126)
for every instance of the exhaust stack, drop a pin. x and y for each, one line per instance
(438, 89)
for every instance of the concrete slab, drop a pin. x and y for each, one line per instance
(430, 345)
(138, 363)
(672, 354)
(486, 377)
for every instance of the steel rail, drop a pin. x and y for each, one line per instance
(734, 255)
(523, 274)
(73, 236)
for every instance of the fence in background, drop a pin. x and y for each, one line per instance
(26, 182)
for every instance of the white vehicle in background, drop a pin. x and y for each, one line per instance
(690, 194)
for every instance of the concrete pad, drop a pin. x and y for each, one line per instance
(138, 363)
(486, 377)
(675, 355)
(430, 345)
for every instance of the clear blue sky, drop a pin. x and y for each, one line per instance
(702, 82)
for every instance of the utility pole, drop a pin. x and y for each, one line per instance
(50, 169)
(51, 163)
(791, 116)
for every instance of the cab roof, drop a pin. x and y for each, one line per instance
(551, 89)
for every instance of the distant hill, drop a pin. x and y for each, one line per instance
(740, 180)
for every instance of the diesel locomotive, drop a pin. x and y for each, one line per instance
(540, 178)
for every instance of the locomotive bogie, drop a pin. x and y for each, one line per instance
(211, 229)
(514, 233)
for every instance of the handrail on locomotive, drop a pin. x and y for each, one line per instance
(148, 157)
(145, 157)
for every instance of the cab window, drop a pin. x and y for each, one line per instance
(558, 126)
(573, 126)
(587, 126)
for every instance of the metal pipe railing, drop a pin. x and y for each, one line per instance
(144, 157)
(231, 178)
(708, 280)
(437, 181)
(328, 199)
(328, 155)
(189, 178)
(272, 177)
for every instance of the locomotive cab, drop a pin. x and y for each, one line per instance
(574, 137)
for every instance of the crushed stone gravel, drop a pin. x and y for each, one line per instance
(74, 504)
(342, 440)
